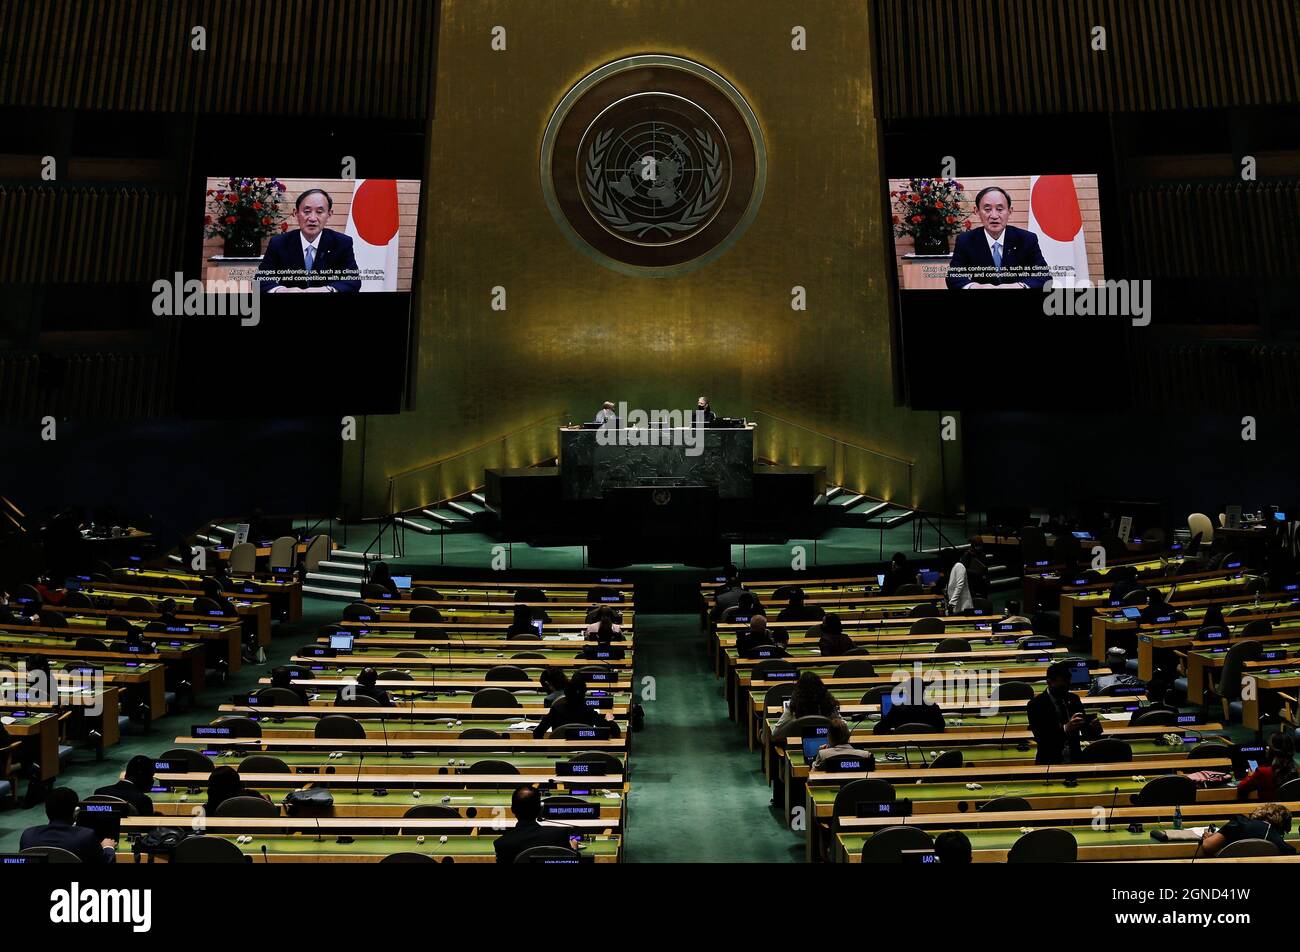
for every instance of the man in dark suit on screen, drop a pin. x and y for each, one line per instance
(311, 257)
(996, 255)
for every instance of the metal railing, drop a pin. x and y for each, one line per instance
(869, 472)
(430, 484)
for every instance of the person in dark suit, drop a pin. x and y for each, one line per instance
(833, 640)
(572, 709)
(526, 805)
(367, 686)
(60, 810)
(996, 255)
(1057, 720)
(311, 257)
(754, 637)
(704, 411)
(134, 786)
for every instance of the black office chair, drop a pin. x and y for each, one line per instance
(340, 726)
(1108, 750)
(1249, 847)
(407, 858)
(77, 600)
(855, 669)
(1005, 805)
(1013, 691)
(1167, 791)
(410, 654)
(138, 603)
(1228, 690)
(395, 675)
(948, 760)
(1139, 596)
(930, 625)
(240, 726)
(195, 761)
(1210, 750)
(53, 619)
(928, 610)
(952, 645)
(480, 733)
(911, 588)
(874, 695)
(86, 643)
(528, 656)
(887, 845)
(491, 767)
(358, 611)
(493, 697)
(783, 692)
(867, 790)
(29, 595)
(430, 811)
(528, 594)
(772, 669)
(207, 849)
(981, 606)
(1154, 718)
(506, 672)
(372, 590)
(263, 763)
(1048, 845)
(423, 593)
(52, 854)
(247, 808)
(609, 761)
(1288, 792)
(425, 614)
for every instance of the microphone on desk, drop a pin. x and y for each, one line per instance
(265, 858)
(1111, 813)
(1003, 738)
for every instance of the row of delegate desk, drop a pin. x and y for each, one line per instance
(994, 741)
(417, 752)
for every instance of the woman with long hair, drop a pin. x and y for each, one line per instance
(810, 697)
(1268, 778)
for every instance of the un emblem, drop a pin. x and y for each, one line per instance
(653, 165)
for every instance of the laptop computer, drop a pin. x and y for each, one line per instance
(403, 582)
(341, 642)
(1132, 613)
(810, 747)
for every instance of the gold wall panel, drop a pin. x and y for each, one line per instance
(575, 333)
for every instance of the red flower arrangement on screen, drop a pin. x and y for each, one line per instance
(244, 208)
(929, 208)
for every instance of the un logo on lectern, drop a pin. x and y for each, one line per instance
(653, 165)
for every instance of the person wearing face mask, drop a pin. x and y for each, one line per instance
(1057, 719)
(703, 411)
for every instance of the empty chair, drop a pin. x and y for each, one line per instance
(86, 643)
(911, 727)
(372, 590)
(981, 606)
(1228, 690)
(28, 595)
(546, 854)
(137, 603)
(887, 845)
(1005, 805)
(491, 767)
(358, 611)
(774, 669)
(1288, 792)
(318, 550)
(423, 593)
(528, 656)
(195, 761)
(951, 645)
(1036, 640)
(911, 588)
(206, 606)
(1259, 628)
(947, 760)
(1013, 691)
(430, 811)
(1108, 750)
(395, 675)
(263, 763)
(77, 600)
(493, 697)
(117, 623)
(425, 614)
(529, 594)
(609, 761)
(1249, 847)
(175, 583)
(928, 610)
(855, 669)
(506, 672)
(407, 858)
(282, 555)
(1139, 596)
(1048, 845)
(247, 807)
(1168, 791)
(480, 733)
(1210, 750)
(243, 559)
(1198, 523)
(874, 694)
(1155, 717)
(930, 625)
(869, 790)
(207, 849)
(340, 726)
(239, 726)
(410, 654)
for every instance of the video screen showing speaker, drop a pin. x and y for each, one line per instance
(997, 232)
(289, 234)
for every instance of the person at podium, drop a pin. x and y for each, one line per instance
(703, 411)
(606, 415)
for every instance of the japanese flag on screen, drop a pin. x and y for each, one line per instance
(1057, 220)
(373, 227)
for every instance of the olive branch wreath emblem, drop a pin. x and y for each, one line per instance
(693, 214)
